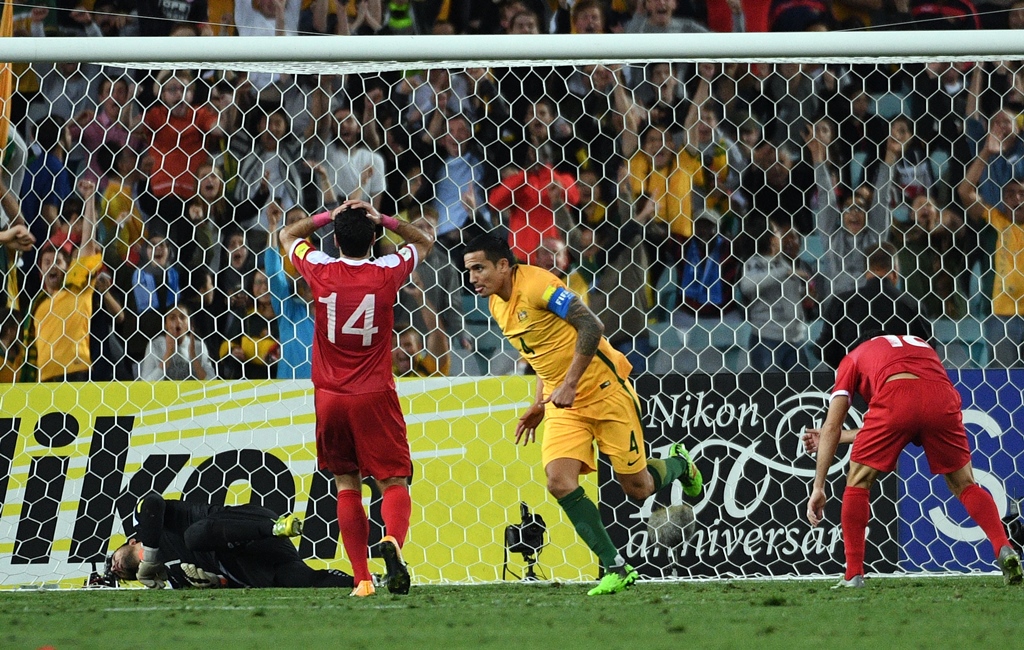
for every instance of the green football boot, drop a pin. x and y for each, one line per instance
(691, 479)
(618, 579)
(288, 526)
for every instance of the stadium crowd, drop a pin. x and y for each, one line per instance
(670, 196)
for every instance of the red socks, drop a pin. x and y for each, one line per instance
(355, 527)
(396, 510)
(982, 509)
(355, 532)
(856, 512)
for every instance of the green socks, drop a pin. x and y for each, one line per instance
(665, 470)
(586, 518)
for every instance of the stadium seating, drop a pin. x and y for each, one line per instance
(978, 303)
(857, 164)
(939, 160)
(669, 355)
(667, 291)
(489, 348)
(710, 346)
(961, 343)
(815, 246)
(814, 361)
(889, 105)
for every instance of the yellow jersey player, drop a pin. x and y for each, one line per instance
(586, 383)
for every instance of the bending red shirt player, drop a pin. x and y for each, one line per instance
(360, 430)
(910, 399)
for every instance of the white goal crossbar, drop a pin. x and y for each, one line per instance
(401, 52)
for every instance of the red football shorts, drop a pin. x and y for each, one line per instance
(913, 410)
(364, 433)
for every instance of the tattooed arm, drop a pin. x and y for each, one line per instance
(588, 335)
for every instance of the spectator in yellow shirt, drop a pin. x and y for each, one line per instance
(1005, 330)
(58, 333)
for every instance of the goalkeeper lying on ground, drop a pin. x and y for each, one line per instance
(202, 545)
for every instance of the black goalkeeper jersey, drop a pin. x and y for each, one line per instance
(179, 530)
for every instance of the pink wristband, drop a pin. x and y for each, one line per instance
(389, 223)
(322, 219)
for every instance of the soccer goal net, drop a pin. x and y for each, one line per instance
(725, 204)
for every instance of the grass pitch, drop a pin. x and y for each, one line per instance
(967, 612)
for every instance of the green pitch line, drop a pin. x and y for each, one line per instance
(888, 613)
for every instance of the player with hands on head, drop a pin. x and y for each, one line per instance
(360, 430)
(584, 392)
(910, 399)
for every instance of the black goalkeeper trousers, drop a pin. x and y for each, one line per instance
(228, 527)
(242, 539)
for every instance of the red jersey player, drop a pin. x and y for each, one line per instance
(910, 399)
(360, 430)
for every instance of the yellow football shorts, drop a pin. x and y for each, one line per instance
(613, 421)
